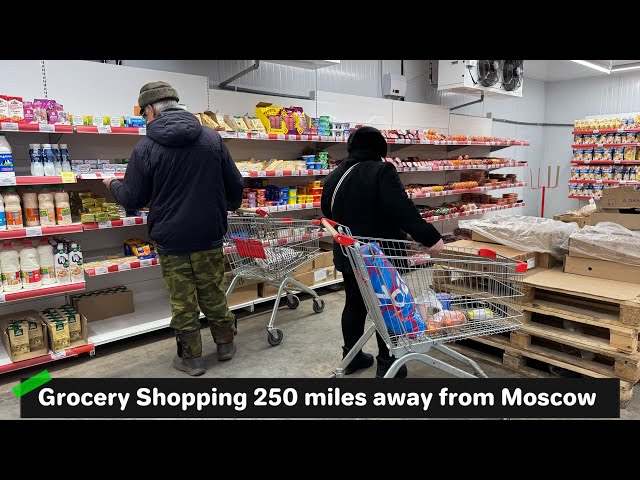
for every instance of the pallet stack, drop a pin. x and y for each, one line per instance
(573, 326)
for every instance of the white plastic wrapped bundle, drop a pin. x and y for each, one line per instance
(531, 234)
(278, 258)
(607, 241)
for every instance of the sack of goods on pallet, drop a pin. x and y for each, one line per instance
(548, 238)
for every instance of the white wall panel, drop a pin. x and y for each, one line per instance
(463, 125)
(237, 103)
(21, 78)
(410, 115)
(91, 87)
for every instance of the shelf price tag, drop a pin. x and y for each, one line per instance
(279, 173)
(34, 231)
(9, 126)
(45, 127)
(68, 177)
(104, 129)
(2, 298)
(106, 224)
(262, 173)
(8, 180)
(128, 221)
(291, 137)
(101, 270)
(280, 136)
(142, 131)
(124, 266)
(297, 206)
(58, 355)
(242, 135)
(146, 262)
(295, 173)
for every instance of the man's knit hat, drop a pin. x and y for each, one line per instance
(156, 91)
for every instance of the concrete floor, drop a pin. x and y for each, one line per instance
(311, 348)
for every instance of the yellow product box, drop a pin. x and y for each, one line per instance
(36, 335)
(207, 121)
(236, 122)
(243, 166)
(219, 119)
(254, 124)
(271, 117)
(256, 166)
(289, 165)
(75, 324)
(273, 165)
(19, 337)
(117, 122)
(58, 333)
(78, 119)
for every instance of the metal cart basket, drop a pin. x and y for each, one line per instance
(268, 249)
(419, 301)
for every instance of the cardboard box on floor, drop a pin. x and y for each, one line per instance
(594, 267)
(567, 218)
(529, 257)
(542, 259)
(627, 220)
(29, 315)
(624, 196)
(244, 294)
(324, 260)
(99, 307)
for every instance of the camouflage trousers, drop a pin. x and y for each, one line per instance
(194, 282)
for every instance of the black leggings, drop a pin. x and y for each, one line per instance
(354, 316)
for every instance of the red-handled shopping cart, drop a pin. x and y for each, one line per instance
(419, 301)
(268, 249)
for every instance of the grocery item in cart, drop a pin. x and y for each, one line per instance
(278, 257)
(395, 299)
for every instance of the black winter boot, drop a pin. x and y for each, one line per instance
(384, 364)
(360, 361)
(189, 356)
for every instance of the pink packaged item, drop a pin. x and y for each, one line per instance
(40, 111)
(27, 108)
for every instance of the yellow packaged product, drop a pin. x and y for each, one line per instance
(273, 165)
(36, 339)
(59, 330)
(629, 153)
(19, 337)
(219, 119)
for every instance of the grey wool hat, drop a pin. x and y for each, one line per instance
(156, 91)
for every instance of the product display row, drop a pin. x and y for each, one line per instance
(621, 121)
(605, 138)
(261, 194)
(307, 162)
(616, 154)
(614, 172)
(461, 162)
(32, 264)
(47, 207)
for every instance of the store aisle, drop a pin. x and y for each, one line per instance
(311, 348)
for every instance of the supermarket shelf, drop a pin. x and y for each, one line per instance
(41, 292)
(465, 190)
(123, 222)
(582, 146)
(112, 130)
(98, 176)
(33, 180)
(291, 207)
(40, 231)
(461, 168)
(606, 182)
(6, 365)
(285, 173)
(615, 130)
(35, 127)
(584, 197)
(607, 162)
(116, 268)
(473, 213)
(152, 312)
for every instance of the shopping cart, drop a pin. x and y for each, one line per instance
(261, 247)
(419, 301)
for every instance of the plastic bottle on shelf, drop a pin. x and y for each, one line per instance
(47, 263)
(3, 216)
(30, 266)
(66, 159)
(31, 209)
(76, 264)
(61, 261)
(47, 208)
(37, 163)
(58, 159)
(6, 154)
(10, 267)
(49, 158)
(13, 211)
(63, 207)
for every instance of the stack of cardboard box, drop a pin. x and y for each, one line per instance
(617, 205)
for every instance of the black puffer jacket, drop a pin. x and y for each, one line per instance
(185, 173)
(372, 201)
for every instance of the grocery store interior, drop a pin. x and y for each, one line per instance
(534, 160)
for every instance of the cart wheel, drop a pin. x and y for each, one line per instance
(293, 303)
(275, 336)
(318, 305)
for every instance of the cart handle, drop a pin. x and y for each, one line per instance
(521, 266)
(259, 211)
(338, 237)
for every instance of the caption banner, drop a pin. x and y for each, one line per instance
(323, 398)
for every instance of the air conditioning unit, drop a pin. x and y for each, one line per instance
(489, 77)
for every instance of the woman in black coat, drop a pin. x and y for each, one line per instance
(372, 202)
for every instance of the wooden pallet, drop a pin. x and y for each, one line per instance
(536, 361)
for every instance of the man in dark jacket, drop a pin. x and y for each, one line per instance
(372, 202)
(185, 173)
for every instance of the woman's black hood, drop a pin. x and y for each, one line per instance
(366, 143)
